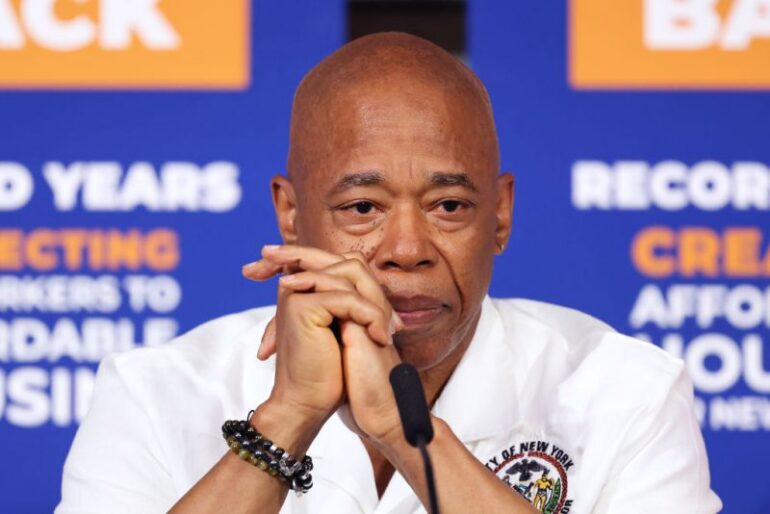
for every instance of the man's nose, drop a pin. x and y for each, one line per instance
(406, 242)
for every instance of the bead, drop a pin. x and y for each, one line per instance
(253, 447)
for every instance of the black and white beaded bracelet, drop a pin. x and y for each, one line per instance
(253, 447)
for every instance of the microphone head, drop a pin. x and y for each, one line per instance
(412, 407)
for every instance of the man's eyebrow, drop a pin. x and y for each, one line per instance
(362, 178)
(442, 178)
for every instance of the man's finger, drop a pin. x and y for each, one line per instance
(303, 257)
(345, 306)
(315, 281)
(267, 345)
(334, 278)
(356, 270)
(303, 281)
(262, 269)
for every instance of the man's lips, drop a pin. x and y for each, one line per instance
(416, 310)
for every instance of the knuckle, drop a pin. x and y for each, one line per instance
(305, 275)
(356, 265)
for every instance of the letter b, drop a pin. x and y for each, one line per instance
(680, 24)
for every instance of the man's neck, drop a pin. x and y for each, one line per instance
(434, 379)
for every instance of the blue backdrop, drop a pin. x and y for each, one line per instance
(76, 282)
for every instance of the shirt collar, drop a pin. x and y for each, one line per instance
(480, 398)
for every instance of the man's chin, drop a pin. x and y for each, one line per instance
(422, 349)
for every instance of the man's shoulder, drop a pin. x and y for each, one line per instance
(206, 349)
(566, 321)
(224, 328)
(592, 352)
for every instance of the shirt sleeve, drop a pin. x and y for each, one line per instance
(116, 461)
(664, 466)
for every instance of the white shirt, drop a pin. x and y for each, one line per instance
(540, 388)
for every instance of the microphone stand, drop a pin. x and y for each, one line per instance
(415, 420)
(431, 483)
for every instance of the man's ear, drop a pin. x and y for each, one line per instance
(285, 204)
(505, 198)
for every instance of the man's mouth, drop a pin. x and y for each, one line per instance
(418, 310)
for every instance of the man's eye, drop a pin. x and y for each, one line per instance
(360, 207)
(452, 205)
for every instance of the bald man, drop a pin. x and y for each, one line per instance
(391, 215)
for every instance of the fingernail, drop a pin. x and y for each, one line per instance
(248, 268)
(398, 323)
(287, 279)
(259, 350)
(271, 248)
(392, 327)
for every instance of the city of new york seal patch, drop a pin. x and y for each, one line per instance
(537, 470)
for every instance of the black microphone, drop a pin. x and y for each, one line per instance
(415, 419)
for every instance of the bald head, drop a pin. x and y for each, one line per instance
(379, 79)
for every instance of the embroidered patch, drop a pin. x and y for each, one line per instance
(537, 470)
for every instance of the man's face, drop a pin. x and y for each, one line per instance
(403, 175)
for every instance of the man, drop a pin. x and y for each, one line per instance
(391, 215)
(543, 484)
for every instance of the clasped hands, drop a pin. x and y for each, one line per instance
(315, 374)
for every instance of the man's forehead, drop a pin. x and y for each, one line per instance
(376, 178)
(387, 84)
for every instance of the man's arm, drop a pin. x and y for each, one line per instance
(115, 462)
(233, 485)
(462, 482)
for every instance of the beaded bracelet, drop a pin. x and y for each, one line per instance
(251, 446)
